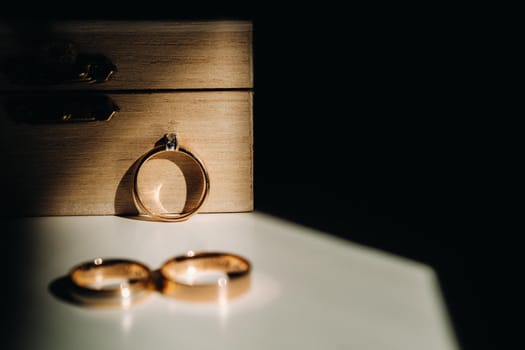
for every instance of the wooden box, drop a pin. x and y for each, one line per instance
(191, 78)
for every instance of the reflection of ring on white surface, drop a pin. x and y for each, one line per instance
(205, 276)
(170, 149)
(107, 282)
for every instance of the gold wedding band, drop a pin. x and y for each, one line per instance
(106, 282)
(205, 276)
(169, 147)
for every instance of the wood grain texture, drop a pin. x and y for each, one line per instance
(84, 168)
(148, 55)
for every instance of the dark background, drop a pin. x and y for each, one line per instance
(365, 127)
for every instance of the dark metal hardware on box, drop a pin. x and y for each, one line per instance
(55, 108)
(58, 62)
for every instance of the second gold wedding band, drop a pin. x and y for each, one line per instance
(110, 282)
(205, 276)
(169, 148)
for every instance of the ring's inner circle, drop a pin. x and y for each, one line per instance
(109, 277)
(170, 182)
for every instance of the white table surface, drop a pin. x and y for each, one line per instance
(309, 290)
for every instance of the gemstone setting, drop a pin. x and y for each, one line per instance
(170, 141)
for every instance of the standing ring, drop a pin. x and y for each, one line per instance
(198, 190)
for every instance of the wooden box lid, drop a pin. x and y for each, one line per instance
(148, 55)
